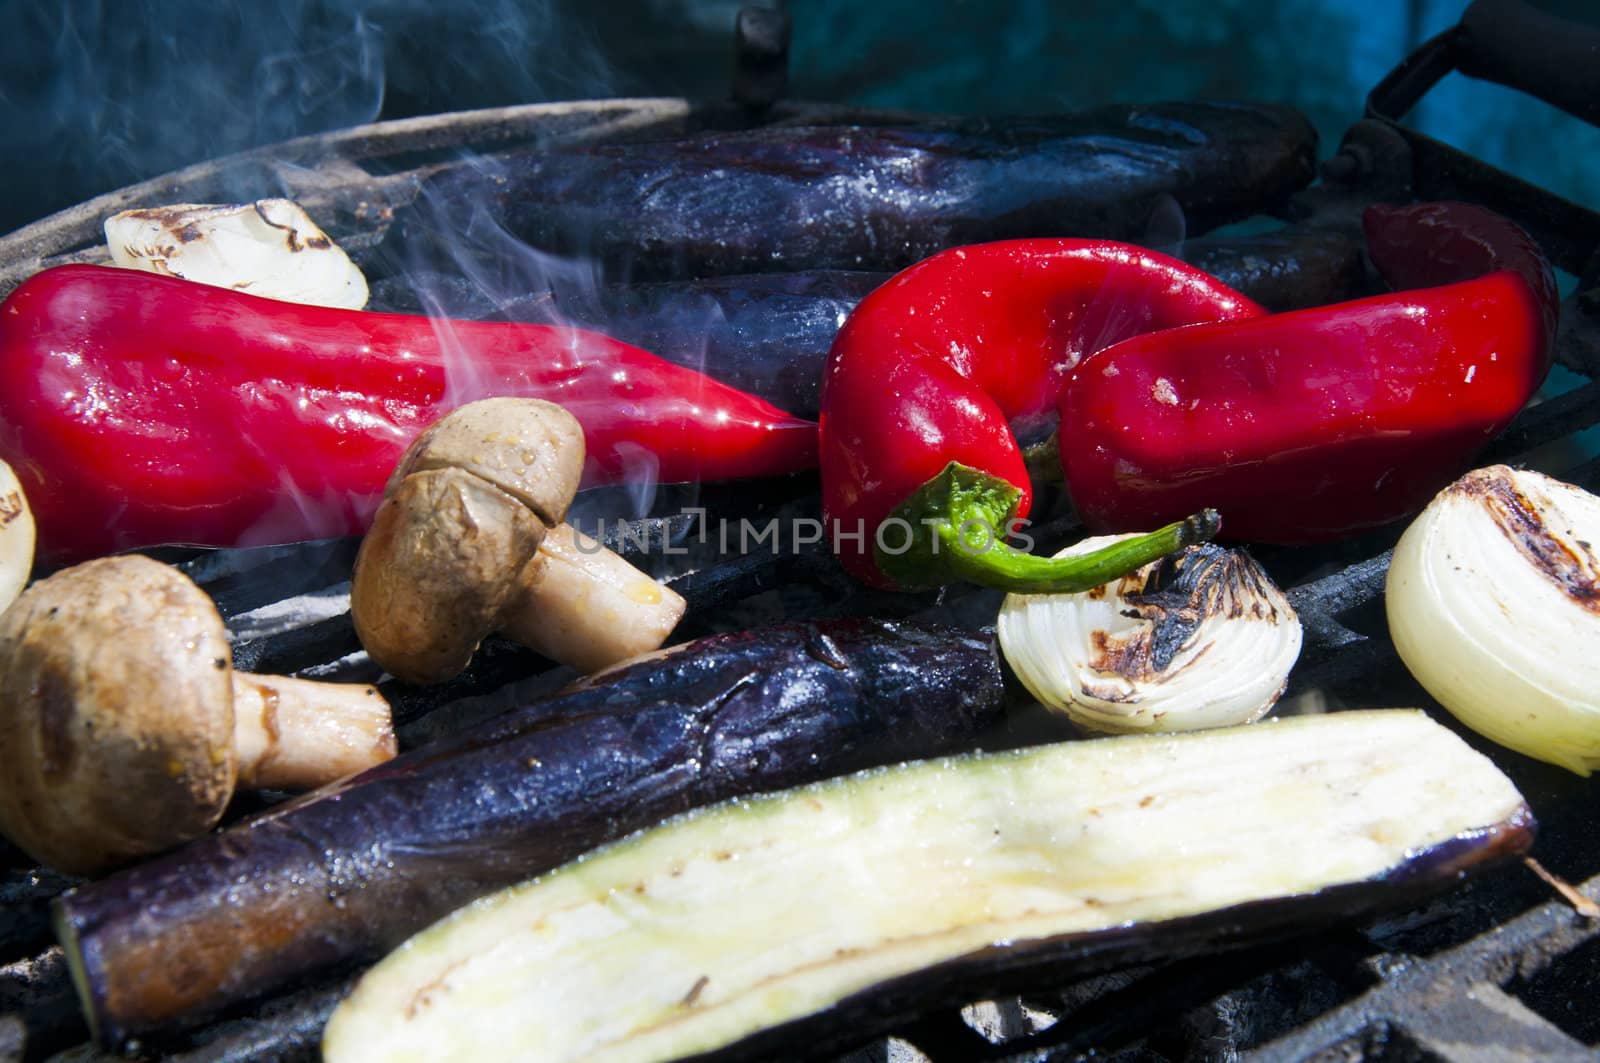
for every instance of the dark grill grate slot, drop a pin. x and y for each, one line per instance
(1459, 1004)
(1565, 991)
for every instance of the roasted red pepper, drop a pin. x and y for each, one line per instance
(1310, 425)
(1428, 244)
(140, 409)
(929, 375)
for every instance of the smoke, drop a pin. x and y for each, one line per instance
(103, 93)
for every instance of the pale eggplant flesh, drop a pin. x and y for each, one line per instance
(800, 922)
(342, 875)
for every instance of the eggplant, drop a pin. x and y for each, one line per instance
(860, 197)
(769, 333)
(349, 871)
(1292, 268)
(800, 923)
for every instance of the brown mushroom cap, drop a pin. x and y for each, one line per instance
(96, 662)
(462, 516)
(528, 448)
(435, 571)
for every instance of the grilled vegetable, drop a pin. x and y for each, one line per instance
(270, 248)
(763, 333)
(458, 550)
(16, 537)
(1493, 598)
(1201, 639)
(934, 372)
(123, 728)
(863, 197)
(823, 915)
(140, 410)
(1359, 412)
(1287, 269)
(351, 871)
(769, 333)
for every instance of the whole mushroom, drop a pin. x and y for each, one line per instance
(469, 541)
(124, 729)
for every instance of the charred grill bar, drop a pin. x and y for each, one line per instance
(1500, 966)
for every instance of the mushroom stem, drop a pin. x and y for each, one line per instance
(469, 542)
(584, 605)
(298, 734)
(122, 722)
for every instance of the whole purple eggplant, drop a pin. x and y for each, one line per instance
(343, 874)
(787, 198)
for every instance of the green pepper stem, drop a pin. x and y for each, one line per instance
(938, 519)
(1008, 569)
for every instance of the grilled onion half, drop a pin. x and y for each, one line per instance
(1494, 604)
(16, 537)
(1201, 639)
(270, 248)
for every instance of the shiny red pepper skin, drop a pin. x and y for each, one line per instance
(938, 364)
(1311, 425)
(1427, 244)
(139, 409)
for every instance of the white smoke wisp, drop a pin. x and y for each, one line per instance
(100, 94)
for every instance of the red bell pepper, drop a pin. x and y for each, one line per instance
(140, 409)
(929, 374)
(1311, 425)
(1427, 244)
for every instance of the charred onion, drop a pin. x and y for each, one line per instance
(270, 248)
(1494, 605)
(1201, 639)
(16, 537)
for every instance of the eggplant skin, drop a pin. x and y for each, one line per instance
(343, 874)
(859, 197)
(1292, 268)
(1025, 966)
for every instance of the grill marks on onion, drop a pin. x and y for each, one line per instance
(1210, 643)
(1493, 601)
(1520, 509)
(1175, 598)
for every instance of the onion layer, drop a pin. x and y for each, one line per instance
(1201, 639)
(270, 248)
(1494, 605)
(16, 537)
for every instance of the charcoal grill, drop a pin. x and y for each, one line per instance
(1504, 967)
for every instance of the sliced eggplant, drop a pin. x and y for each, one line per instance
(794, 922)
(349, 872)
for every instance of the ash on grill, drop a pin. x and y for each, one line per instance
(1500, 968)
